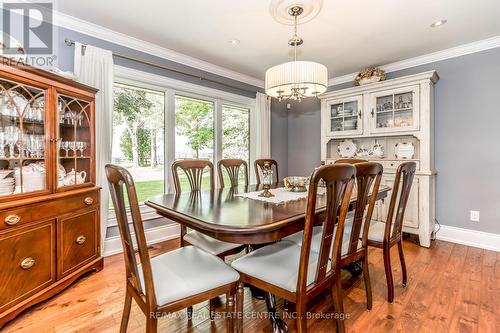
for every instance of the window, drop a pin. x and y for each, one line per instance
(194, 134)
(158, 120)
(235, 136)
(138, 137)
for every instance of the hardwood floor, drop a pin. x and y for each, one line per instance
(451, 288)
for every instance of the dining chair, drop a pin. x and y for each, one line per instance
(232, 167)
(355, 237)
(259, 165)
(194, 169)
(350, 160)
(386, 235)
(298, 273)
(168, 282)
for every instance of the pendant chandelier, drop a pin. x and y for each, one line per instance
(296, 79)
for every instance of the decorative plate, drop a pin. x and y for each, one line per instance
(404, 150)
(347, 148)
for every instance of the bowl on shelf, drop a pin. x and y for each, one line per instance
(296, 184)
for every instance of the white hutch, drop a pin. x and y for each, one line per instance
(397, 116)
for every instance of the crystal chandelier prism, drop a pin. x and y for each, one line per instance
(296, 79)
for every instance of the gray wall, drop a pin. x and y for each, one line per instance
(65, 59)
(279, 136)
(467, 138)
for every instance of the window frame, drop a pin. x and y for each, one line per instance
(172, 87)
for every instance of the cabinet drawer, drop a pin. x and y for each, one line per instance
(395, 164)
(27, 263)
(78, 240)
(24, 214)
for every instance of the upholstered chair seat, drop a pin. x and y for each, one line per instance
(317, 236)
(376, 231)
(209, 244)
(278, 264)
(185, 272)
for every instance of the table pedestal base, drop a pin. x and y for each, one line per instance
(279, 326)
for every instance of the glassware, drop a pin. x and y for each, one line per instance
(11, 136)
(59, 145)
(81, 146)
(3, 104)
(72, 146)
(65, 147)
(2, 144)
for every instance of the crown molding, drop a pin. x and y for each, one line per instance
(97, 31)
(457, 51)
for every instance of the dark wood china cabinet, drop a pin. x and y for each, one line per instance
(49, 203)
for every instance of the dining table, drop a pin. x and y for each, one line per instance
(227, 216)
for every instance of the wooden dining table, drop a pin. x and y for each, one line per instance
(224, 215)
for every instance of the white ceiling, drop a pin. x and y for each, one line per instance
(346, 35)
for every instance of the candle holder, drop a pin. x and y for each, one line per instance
(267, 178)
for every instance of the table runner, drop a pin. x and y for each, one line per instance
(281, 195)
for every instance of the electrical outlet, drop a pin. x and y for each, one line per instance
(474, 215)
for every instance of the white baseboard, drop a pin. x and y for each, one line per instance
(483, 240)
(113, 245)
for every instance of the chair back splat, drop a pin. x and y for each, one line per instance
(368, 178)
(339, 181)
(402, 186)
(232, 167)
(120, 184)
(194, 171)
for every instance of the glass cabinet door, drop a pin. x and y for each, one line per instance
(345, 116)
(23, 140)
(73, 141)
(395, 110)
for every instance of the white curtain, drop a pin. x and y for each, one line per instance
(260, 126)
(94, 67)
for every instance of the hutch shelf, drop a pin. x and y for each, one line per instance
(389, 122)
(49, 203)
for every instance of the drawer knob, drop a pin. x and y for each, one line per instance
(27, 263)
(88, 200)
(12, 219)
(80, 239)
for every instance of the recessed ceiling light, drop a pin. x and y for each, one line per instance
(234, 41)
(438, 23)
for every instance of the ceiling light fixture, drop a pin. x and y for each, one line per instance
(296, 79)
(438, 23)
(234, 41)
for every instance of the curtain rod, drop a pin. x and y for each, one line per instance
(71, 42)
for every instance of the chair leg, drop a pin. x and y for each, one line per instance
(388, 273)
(151, 325)
(240, 294)
(338, 303)
(126, 312)
(230, 312)
(190, 312)
(301, 318)
(402, 260)
(368, 285)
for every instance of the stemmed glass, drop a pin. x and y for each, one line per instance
(81, 146)
(72, 146)
(11, 136)
(65, 147)
(80, 118)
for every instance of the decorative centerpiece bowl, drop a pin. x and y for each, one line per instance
(296, 184)
(369, 75)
